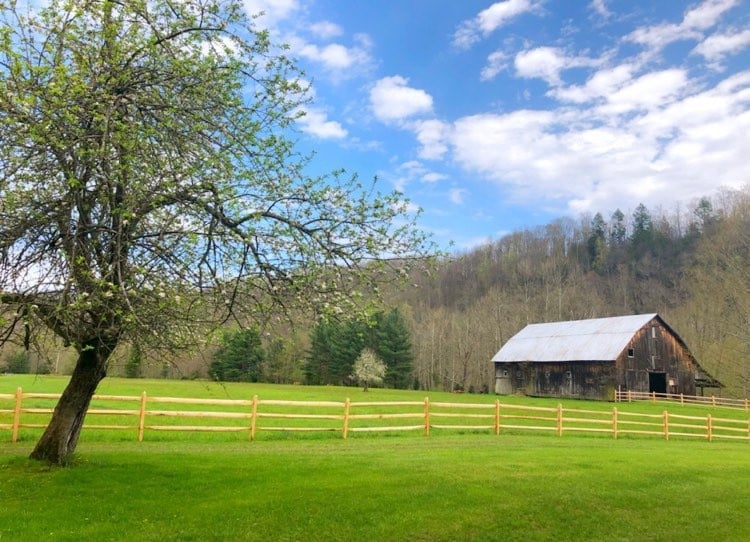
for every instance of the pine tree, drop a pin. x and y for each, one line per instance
(393, 346)
(320, 355)
(240, 357)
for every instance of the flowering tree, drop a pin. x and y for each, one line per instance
(148, 192)
(369, 369)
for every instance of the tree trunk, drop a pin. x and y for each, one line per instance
(61, 436)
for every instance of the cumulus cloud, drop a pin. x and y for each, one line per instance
(487, 21)
(695, 20)
(654, 134)
(600, 7)
(496, 62)
(547, 62)
(316, 122)
(433, 177)
(600, 85)
(326, 30)
(716, 47)
(650, 91)
(273, 10)
(432, 135)
(393, 100)
(334, 57)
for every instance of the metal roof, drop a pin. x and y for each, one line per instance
(599, 339)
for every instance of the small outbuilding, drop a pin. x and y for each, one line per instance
(592, 358)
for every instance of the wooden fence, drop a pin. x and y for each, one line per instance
(713, 401)
(140, 413)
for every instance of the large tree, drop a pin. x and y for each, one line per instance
(149, 189)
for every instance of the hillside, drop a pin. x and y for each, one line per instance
(692, 266)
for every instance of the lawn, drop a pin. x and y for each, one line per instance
(374, 487)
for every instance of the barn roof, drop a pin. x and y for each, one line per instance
(598, 339)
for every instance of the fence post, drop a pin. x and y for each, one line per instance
(746, 405)
(713, 400)
(630, 396)
(347, 405)
(142, 417)
(682, 399)
(497, 416)
(709, 428)
(17, 414)
(253, 417)
(666, 425)
(653, 396)
(614, 422)
(559, 419)
(427, 416)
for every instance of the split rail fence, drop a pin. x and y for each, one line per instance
(713, 401)
(139, 414)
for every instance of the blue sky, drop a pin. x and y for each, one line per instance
(494, 116)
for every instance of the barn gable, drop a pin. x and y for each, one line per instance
(592, 358)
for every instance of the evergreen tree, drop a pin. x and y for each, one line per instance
(617, 228)
(597, 243)
(320, 354)
(349, 340)
(643, 226)
(335, 347)
(393, 346)
(240, 357)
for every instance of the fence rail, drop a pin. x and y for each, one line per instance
(631, 396)
(256, 415)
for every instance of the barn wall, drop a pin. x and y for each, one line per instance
(656, 349)
(580, 379)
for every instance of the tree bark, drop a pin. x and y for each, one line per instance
(61, 436)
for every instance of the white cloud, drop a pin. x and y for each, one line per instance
(601, 8)
(392, 100)
(487, 21)
(433, 177)
(432, 135)
(716, 47)
(273, 10)
(496, 62)
(655, 140)
(326, 30)
(602, 84)
(456, 195)
(334, 56)
(547, 62)
(695, 20)
(315, 122)
(708, 13)
(650, 91)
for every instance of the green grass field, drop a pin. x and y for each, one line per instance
(401, 486)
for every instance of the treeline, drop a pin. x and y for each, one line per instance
(690, 265)
(440, 330)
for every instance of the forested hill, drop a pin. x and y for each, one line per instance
(691, 265)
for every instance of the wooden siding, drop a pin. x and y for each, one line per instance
(656, 349)
(655, 355)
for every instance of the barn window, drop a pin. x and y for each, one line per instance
(631, 352)
(653, 332)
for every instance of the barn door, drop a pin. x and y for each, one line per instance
(657, 382)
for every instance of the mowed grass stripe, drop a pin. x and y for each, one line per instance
(456, 487)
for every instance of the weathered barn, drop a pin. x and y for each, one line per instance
(592, 358)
